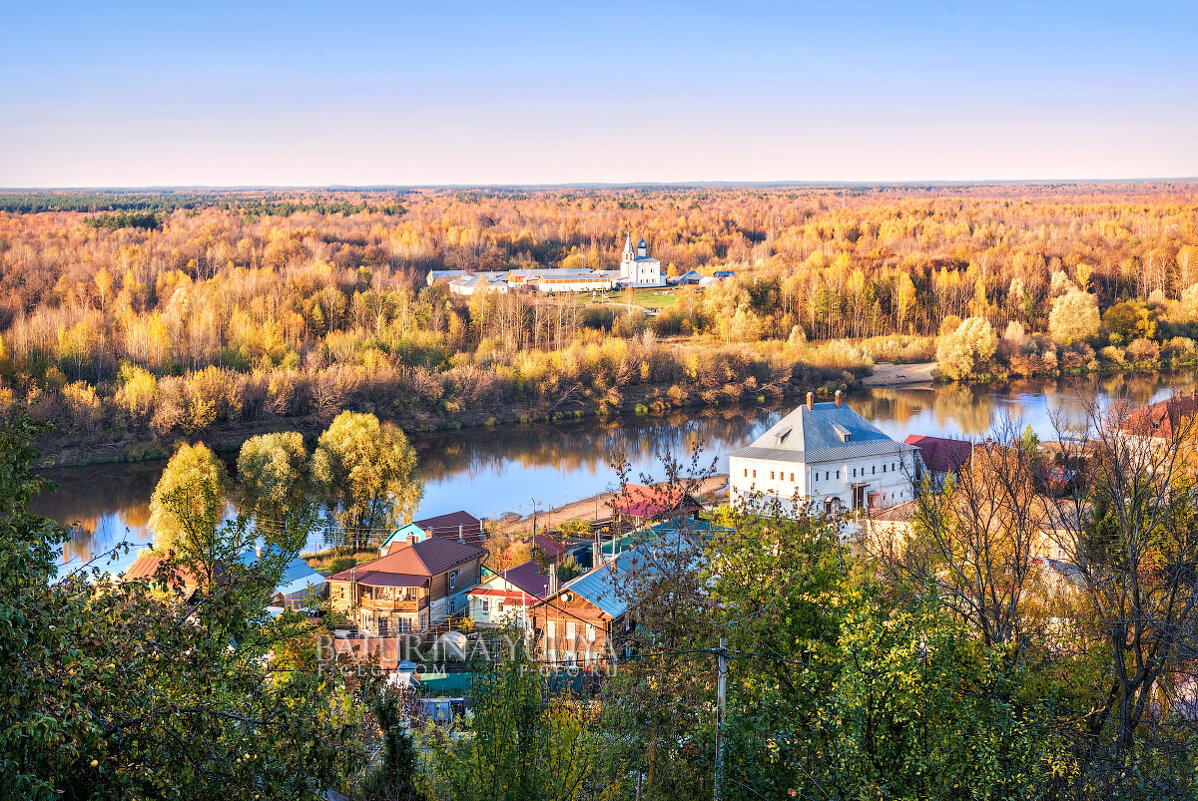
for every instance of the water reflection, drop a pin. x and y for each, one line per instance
(493, 471)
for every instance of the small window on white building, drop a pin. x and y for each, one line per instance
(771, 475)
(486, 605)
(792, 477)
(746, 472)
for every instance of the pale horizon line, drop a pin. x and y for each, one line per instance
(610, 184)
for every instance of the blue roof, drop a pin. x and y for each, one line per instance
(297, 575)
(599, 585)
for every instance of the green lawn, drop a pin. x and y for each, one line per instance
(656, 299)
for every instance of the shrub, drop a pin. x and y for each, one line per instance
(1113, 354)
(1143, 350)
(972, 344)
(1074, 317)
(341, 563)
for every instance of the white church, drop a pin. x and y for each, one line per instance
(638, 268)
(827, 455)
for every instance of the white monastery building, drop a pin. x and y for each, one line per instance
(639, 269)
(829, 455)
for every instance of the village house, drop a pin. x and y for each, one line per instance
(639, 504)
(1160, 421)
(300, 587)
(583, 619)
(688, 278)
(444, 276)
(461, 526)
(149, 568)
(412, 588)
(827, 454)
(556, 551)
(504, 598)
(938, 458)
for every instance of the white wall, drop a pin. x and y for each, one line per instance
(588, 285)
(891, 475)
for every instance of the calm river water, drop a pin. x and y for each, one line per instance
(492, 471)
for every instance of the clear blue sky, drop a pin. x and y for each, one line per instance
(223, 93)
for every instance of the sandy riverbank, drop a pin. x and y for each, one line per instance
(897, 375)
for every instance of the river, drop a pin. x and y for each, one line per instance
(493, 471)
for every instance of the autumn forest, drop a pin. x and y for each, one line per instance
(134, 319)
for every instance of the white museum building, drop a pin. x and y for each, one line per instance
(827, 454)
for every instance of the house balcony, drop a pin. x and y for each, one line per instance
(392, 605)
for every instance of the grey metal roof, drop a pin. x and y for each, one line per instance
(825, 433)
(826, 455)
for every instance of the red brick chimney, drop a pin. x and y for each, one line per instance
(839, 398)
(811, 401)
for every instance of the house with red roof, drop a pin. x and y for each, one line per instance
(641, 503)
(505, 597)
(412, 588)
(1160, 420)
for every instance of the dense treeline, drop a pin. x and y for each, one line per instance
(165, 202)
(243, 305)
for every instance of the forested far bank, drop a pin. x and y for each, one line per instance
(154, 318)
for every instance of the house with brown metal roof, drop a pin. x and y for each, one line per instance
(461, 526)
(412, 588)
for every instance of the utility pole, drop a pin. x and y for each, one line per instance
(722, 692)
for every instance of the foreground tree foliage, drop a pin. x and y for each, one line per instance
(142, 690)
(1131, 527)
(522, 742)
